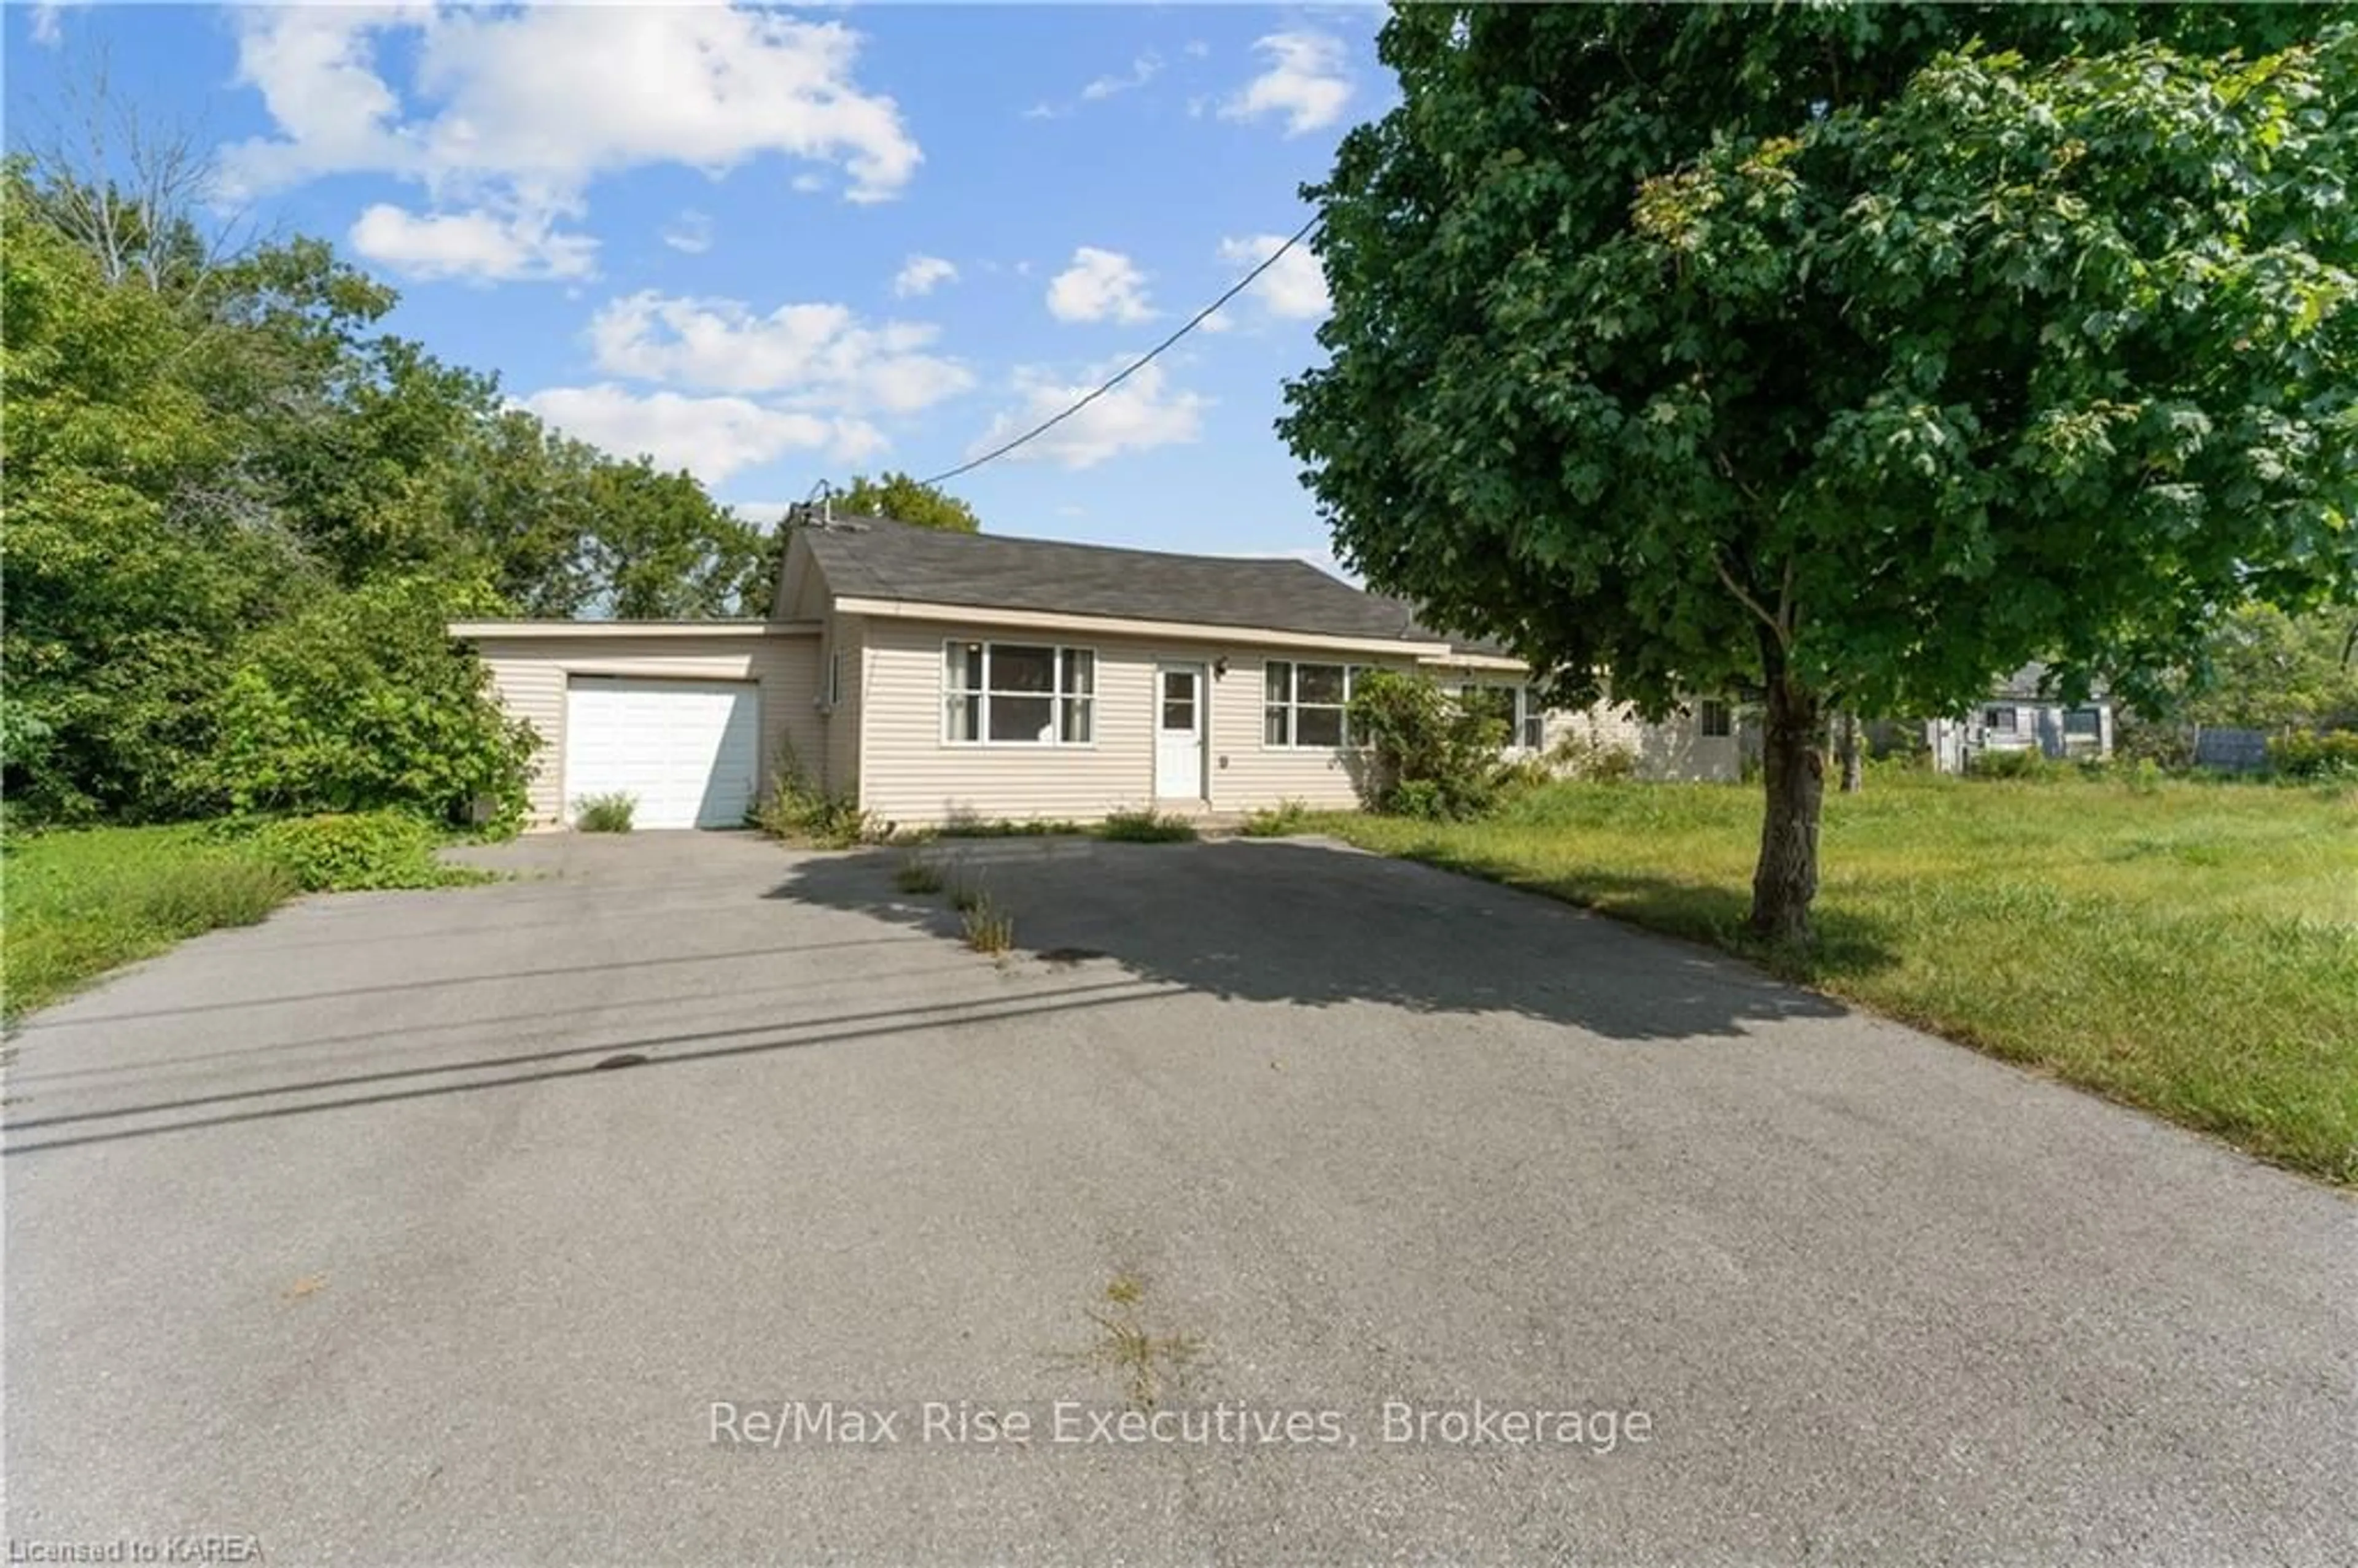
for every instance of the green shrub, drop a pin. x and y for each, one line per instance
(1279, 821)
(1521, 775)
(2315, 754)
(605, 813)
(798, 811)
(2025, 763)
(1148, 826)
(363, 703)
(1430, 756)
(1582, 755)
(356, 852)
(917, 874)
(2165, 743)
(1420, 799)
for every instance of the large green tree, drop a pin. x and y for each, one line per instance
(907, 499)
(2267, 670)
(132, 560)
(1843, 356)
(663, 551)
(217, 462)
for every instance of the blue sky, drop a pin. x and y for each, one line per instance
(780, 245)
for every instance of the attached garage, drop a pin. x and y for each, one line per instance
(687, 753)
(688, 719)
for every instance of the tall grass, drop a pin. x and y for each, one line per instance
(82, 903)
(2188, 948)
(79, 903)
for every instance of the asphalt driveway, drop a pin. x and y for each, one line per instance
(500, 1223)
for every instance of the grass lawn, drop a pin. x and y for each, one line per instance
(78, 902)
(2190, 948)
(81, 903)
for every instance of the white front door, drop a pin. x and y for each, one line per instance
(1179, 732)
(686, 752)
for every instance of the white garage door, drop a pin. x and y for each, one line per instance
(685, 751)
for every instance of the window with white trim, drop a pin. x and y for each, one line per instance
(1304, 704)
(1715, 719)
(1998, 719)
(1517, 707)
(2089, 721)
(1018, 694)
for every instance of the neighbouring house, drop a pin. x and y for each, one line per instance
(934, 676)
(2018, 716)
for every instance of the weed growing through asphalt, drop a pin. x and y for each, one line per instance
(1146, 828)
(605, 813)
(989, 928)
(1148, 1364)
(917, 874)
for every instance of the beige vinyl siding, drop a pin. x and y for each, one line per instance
(530, 673)
(844, 650)
(1256, 773)
(910, 774)
(1675, 748)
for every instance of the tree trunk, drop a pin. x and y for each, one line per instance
(1794, 768)
(1854, 766)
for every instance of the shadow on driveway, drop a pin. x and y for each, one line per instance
(1105, 925)
(1318, 924)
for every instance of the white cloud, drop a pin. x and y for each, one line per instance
(1196, 48)
(1143, 413)
(480, 244)
(712, 438)
(921, 275)
(521, 109)
(817, 352)
(1100, 286)
(690, 231)
(1294, 288)
(49, 21)
(766, 513)
(1306, 81)
(1143, 70)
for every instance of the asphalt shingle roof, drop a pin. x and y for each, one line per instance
(874, 558)
(2028, 685)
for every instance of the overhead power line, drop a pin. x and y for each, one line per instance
(1136, 365)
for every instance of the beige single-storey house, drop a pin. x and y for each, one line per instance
(936, 676)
